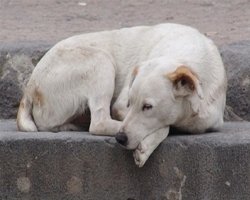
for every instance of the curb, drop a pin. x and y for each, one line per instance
(76, 165)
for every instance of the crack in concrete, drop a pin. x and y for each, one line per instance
(176, 194)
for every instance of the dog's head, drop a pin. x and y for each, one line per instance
(158, 98)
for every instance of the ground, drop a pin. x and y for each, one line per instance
(224, 21)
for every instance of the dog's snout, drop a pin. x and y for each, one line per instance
(121, 138)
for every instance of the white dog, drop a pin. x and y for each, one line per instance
(151, 77)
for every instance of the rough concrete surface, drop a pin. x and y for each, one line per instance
(52, 20)
(17, 61)
(237, 62)
(76, 165)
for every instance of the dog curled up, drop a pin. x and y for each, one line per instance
(150, 77)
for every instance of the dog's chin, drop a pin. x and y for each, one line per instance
(130, 146)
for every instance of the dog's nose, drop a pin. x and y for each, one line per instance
(121, 138)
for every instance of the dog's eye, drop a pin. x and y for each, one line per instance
(147, 107)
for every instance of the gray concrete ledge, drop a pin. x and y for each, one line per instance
(77, 165)
(18, 59)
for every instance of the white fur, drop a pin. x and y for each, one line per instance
(93, 70)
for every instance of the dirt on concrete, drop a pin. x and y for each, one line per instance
(224, 21)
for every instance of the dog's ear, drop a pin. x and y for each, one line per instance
(133, 75)
(186, 84)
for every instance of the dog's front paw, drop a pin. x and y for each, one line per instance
(139, 158)
(140, 154)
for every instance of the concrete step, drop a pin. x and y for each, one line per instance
(77, 165)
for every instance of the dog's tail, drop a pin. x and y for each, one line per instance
(25, 121)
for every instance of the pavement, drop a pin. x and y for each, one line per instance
(52, 20)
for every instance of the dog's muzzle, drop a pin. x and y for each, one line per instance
(121, 138)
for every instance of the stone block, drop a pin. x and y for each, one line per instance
(237, 62)
(17, 60)
(77, 165)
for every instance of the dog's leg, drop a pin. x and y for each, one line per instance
(103, 85)
(68, 127)
(148, 145)
(120, 107)
(101, 122)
